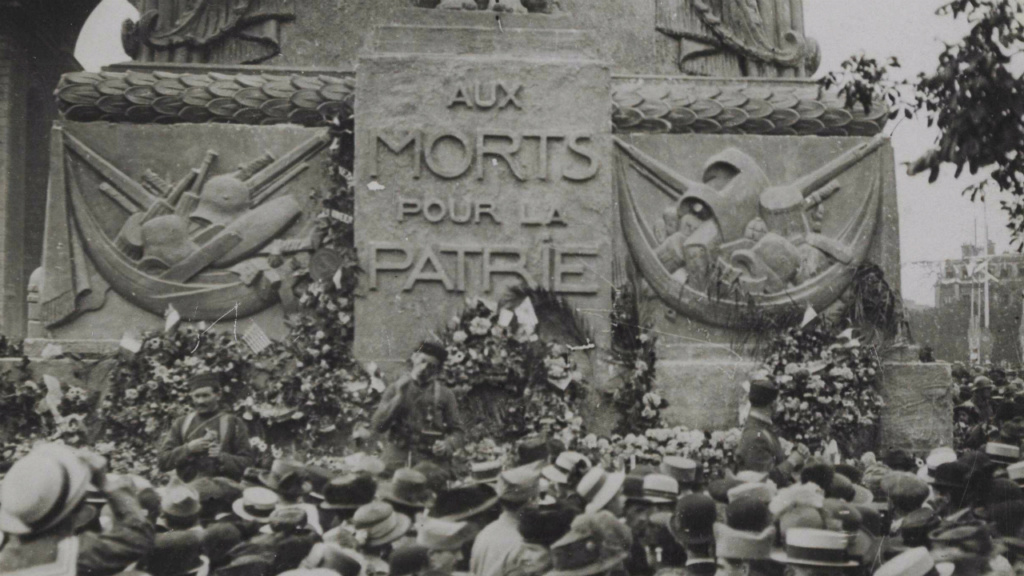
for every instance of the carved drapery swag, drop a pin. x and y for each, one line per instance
(731, 38)
(207, 31)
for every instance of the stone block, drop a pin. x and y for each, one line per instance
(211, 219)
(475, 173)
(703, 394)
(918, 415)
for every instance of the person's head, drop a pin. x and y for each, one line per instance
(204, 391)
(730, 567)
(763, 392)
(518, 487)
(444, 541)
(42, 492)
(429, 357)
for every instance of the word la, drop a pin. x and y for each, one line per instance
(487, 95)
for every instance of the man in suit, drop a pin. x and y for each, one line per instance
(760, 449)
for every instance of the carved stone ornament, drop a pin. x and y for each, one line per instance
(170, 98)
(207, 244)
(207, 31)
(731, 239)
(777, 109)
(731, 38)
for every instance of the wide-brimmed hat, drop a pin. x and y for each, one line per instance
(407, 488)
(485, 472)
(694, 520)
(532, 450)
(951, 475)
(409, 560)
(437, 477)
(437, 534)
(566, 464)
(598, 487)
(520, 484)
(742, 545)
(286, 519)
(914, 562)
(42, 489)
(719, 489)
(813, 547)
(381, 523)
(685, 470)
(181, 501)
(982, 383)
(455, 504)
(545, 525)
(287, 477)
(748, 514)
(349, 492)
(917, 525)
(218, 540)
(597, 543)
(762, 390)
(176, 554)
(215, 495)
(256, 504)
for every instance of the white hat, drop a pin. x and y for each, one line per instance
(814, 547)
(598, 487)
(1003, 453)
(564, 465)
(1016, 472)
(256, 504)
(660, 489)
(913, 562)
(42, 489)
(762, 491)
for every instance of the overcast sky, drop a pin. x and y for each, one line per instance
(935, 219)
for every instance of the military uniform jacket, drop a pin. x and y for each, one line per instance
(759, 448)
(419, 416)
(229, 430)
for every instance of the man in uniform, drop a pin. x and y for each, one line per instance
(419, 414)
(207, 442)
(760, 449)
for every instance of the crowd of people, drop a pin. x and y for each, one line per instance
(549, 511)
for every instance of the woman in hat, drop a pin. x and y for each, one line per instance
(597, 544)
(343, 495)
(289, 480)
(376, 527)
(444, 541)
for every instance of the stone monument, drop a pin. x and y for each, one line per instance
(578, 145)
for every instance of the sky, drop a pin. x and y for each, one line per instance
(935, 219)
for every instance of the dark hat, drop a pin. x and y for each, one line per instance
(1002, 490)
(982, 383)
(437, 477)
(545, 525)
(257, 564)
(905, 490)
(218, 539)
(464, 502)
(870, 519)
(319, 476)
(719, 489)
(596, 543)
(287, 519)
(748, 514)
(407, 488)
(287, 478)
(434, 349)
(980, 467)
(349, 492)
(818, 471)
(850, 471)
(841, 488)
(215, 494)
(1008, 517)
(917, 525)
(694, 520)
(899, 459)
(531, 450)
(973, 539)
(762, 391)
(177, 553)
(408, 560)
(951, 475)
(205, 380)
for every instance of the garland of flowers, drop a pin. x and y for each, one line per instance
(634, 349)
(828, 388)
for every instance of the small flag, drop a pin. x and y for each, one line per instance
(342, 217)
(505, 317)
(53, 396)
(52, 350)
(131, 342)
(337, 279)
(526, 315)
(845, 334)
(171, 319)
(375, 186)
(809, 316)
(256, 339)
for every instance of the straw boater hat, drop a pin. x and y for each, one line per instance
(485, 472)
(741, 545)
(1004, 454)
(1015, 472)
(659, 489)
(915, 562)
(565, 465)
(686, 471)
(42, 489)
(256, 504)
(180, 501)
(598, 487)
(812, 547)
(407, 488)
(382, 524)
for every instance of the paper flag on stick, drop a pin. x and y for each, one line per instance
(526, 315)
(337, 279)
(131, 342)
(505, 317)
(171, 319)
(809, 315)
(53, 395)
(256, 339)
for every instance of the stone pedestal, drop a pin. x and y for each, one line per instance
(483, 162)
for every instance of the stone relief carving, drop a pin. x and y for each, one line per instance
(731, 239)
(207, 31)
(207, 245)
(730, 38)
(510, 6)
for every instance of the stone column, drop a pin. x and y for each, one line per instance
(13, 127)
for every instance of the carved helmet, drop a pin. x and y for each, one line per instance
(165, 242)
(733, 182)
(223, 199)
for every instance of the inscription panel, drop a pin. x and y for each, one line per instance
(473, 175)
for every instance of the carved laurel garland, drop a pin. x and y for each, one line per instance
(639, 105)
(659, 106)
(171, 98)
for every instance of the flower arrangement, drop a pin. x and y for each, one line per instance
(828, 387)
(634, 349)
